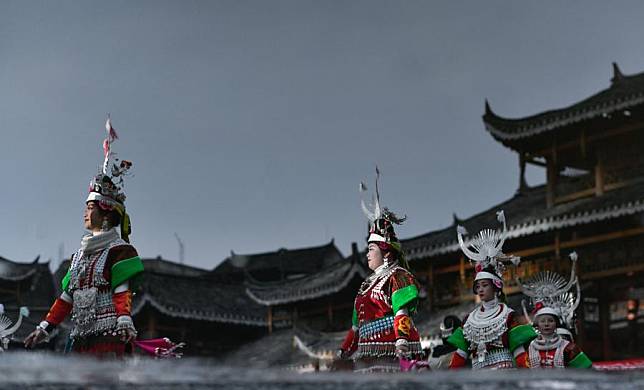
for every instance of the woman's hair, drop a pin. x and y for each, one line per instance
(393, 252)
(387, 251)
(113, 217)
(451, 321)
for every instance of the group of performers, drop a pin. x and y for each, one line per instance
(492, 336)
(97, 292)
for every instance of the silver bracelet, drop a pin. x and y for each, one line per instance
(125, 322)
(42, 327)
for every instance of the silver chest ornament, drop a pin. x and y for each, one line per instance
(481, 329)
(84, 310)
(92, 311)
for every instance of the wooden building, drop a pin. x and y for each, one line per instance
(185, 304)
(314, 287)
(592, 203)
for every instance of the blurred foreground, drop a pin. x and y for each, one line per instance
(20, 370)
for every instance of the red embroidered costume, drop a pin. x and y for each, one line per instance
(554, 307)
(97, 286)
(382, 328)
(491, 336)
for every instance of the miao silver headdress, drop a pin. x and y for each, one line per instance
(381, 219)
(486, 251)
(550, 293)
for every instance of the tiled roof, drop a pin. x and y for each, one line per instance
(527, 214)
(625, 92)
(12, 271)
(160, 265)
(197, 298)
(322, 283)
(263, 266)
(37, 291)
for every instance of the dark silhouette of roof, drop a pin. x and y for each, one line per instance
(527, 214)
(624, 92)
(281, 264)
(34, 288)
(13, 271)
(197, 298)
(328, 281)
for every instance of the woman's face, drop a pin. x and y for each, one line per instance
(546, 324)
(375, 257)
(484, 289)
(92, 218)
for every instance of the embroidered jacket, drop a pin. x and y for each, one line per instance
(560, 354)
(497, 343)
(89, 289)
(381, 314)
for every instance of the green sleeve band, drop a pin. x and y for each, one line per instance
(403, 297)
(581, 361)
(520, 335)
(65, 281)
(354, 318)
(457, 340)
(125, 270)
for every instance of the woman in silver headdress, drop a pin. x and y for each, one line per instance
(383, 331)
(554, 308)
(97, 287)
(491, 336)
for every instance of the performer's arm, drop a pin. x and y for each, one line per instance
(519, 336)
(459, 358)
(350, 343)
(122, 299)
(402, 330)
(57, 313)
(124, 264)
(575, 357)
(521, 357)
(404, 298)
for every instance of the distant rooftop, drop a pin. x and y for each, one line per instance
(280, 264)
(527, 214)
(624, 92)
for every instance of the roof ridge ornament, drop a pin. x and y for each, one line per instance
(617, 74)
(488, 109)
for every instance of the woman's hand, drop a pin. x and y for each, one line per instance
(128, 335)
(37, 336)
(402, 348)
(125, 327)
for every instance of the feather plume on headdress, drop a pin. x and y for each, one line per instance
(106, 188)
(376, 211)
(382, 221)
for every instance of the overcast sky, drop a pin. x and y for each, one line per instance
(251, 123)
